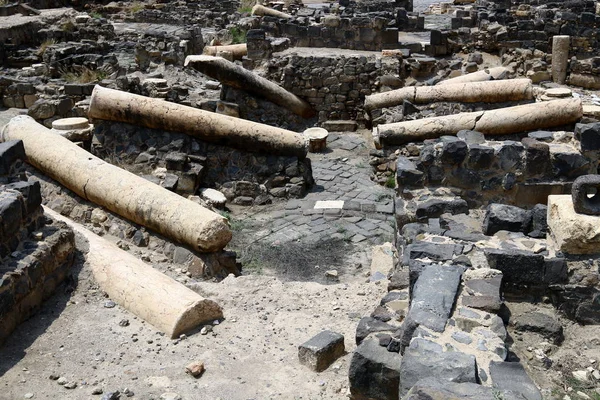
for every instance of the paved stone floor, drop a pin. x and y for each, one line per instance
(343, 204)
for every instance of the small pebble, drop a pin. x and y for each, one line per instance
(195, 369)
(205, 329)
(109, 304)
(28, 395)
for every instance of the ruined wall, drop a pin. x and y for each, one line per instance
(335, 86)
(509, 171)
(169, 47)
(188, 164)
(206, 13)
(532, 24)
(367, 32)
(35, 254)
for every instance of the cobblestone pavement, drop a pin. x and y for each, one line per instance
(344, 204)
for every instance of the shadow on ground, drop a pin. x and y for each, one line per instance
(297, 261)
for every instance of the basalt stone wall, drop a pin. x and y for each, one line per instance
(372, 33)
(532, 24)
(335, 86)
(34, 256)
(377, 5)
(169, 47)
(210, 13)
(80, 36)
(183, 164)
(524, 172)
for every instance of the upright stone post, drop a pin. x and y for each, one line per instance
(560, 58)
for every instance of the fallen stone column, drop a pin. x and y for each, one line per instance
(262, 10)
(238, 77)
(560, 58)
(470, 92)
(146, 292)
(502, 121)
(586, 81)
(237, 50)
(496, 73)
(115, 105)
(120, 191)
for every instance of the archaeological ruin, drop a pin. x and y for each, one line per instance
(300, 199)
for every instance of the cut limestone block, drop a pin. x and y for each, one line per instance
(570, 232)
(322, 350)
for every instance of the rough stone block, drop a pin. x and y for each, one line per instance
(511, 376)
(480, 157)
(435, 207)
(368, 325)
(454, 150)
(517, 266)
(11, 214)
(537, 156)
(482, 290)
(435, 388)
(500, 217)
(407, 173)
(434, 294)
(433, 251)
(556, 270)
(425, 359)
(10, 152)
(322, 350)
(31, 191)
(538, 225)
(588, 136)
(374, 372)
(538, 322)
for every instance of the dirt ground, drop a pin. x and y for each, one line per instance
(251, 354)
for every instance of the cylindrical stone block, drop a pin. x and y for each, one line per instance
(120, 191)
(471, 92)
(138, 287)
(502, 121)
(262, 10)
(496, 73)
(237, 50)
(114, 105)
(238, 77)
(560, 58)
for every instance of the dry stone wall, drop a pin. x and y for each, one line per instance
(35, 253)
(334, 85)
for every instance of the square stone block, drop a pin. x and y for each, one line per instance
(322, 350)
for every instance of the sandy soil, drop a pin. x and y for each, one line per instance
(251, 354)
